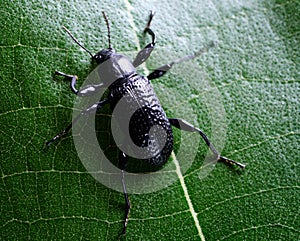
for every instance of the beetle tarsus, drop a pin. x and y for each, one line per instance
(184, 125)
(148, 29)
(231, 162)
(73, 78)
(152, 13)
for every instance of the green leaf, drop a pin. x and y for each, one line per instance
(255, 69)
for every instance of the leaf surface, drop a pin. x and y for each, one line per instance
(255, 69)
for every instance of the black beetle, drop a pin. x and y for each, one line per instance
(124, 80)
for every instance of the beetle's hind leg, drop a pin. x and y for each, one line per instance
(123, 158)
(184, 125)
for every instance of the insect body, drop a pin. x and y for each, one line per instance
(149, 128)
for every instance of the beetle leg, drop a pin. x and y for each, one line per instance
(160, 71)
(73, 80)
(144, 54)
(163, 69)
(94, 107)
(84, 91)
(184, 125)
(148, 29)
(123, 158)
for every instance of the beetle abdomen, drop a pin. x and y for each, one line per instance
(150, 129)
(147, 131)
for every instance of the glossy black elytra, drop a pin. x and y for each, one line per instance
(122, 80)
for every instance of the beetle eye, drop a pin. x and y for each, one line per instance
(98, 57)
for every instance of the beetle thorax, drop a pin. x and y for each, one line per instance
(116, 66)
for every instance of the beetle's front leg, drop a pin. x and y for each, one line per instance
(84, 91)
(184, 125)
(144, 54)
(73, 79)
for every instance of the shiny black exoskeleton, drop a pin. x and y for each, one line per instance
(138, 98)
(149, 127)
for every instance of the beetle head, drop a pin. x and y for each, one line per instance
(103, 55)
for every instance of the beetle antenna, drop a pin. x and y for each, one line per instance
(76, 41)
(108, 29)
